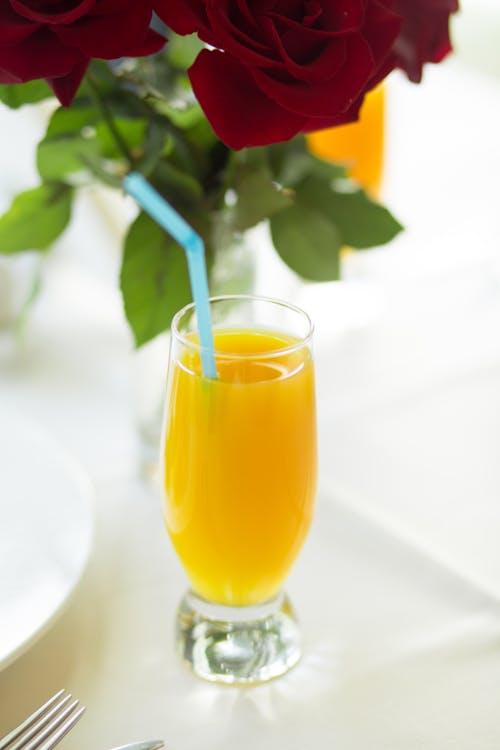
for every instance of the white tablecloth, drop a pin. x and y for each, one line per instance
(398, 588)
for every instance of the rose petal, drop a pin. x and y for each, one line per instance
(41, 55)
(381, 28)
(238, 111)
(329, 57)
(343, 15)
(326, 99)
(151, 44)
(7, 77)
(14, 29)
(75, 12)
(425, 35)
(320, 123)
(239, 35)
(183, 16)
(111, 35)
(66, 87)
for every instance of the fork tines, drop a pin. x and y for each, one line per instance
(46, 726)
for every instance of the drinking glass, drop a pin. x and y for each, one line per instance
(239, 475)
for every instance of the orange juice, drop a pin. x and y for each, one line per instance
(359, 145)
(240, 464)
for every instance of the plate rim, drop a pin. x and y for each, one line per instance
(85, 488)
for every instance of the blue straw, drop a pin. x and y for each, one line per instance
(163, 213)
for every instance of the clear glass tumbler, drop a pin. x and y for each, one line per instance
(239, 467)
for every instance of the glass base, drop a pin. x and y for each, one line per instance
(237, 645)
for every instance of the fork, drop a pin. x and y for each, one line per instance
(46, 727)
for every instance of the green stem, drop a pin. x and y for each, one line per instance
(185, 152)
(146, 104)
(102, 106)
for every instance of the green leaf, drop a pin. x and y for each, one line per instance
(132, 131)
(291, 162)
(72, 120)
(307, 242)
(68, 143)
(184, 115)
(120, 99)
(103, 76)
(17, 94)
(176, 185)
(360, 222)
(183, 50)
(363, 223)
(154, 279)
(155, 141)
(327, 171)
(202, 137)
(101, 169)
(257, 199)
(279, 154)
(36, 218)
(77, 141)
(60, 158)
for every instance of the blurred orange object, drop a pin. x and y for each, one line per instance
(360, 145)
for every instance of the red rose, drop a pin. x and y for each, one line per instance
(55, 39)
(281, 67)
(424, 35)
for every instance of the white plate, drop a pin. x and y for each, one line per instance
(45, 531)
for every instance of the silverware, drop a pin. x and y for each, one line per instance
(46, 726)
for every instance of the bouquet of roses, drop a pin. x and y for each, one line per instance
(210, 100)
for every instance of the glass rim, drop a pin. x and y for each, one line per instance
(281, 351)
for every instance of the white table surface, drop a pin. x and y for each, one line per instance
(398, 587)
